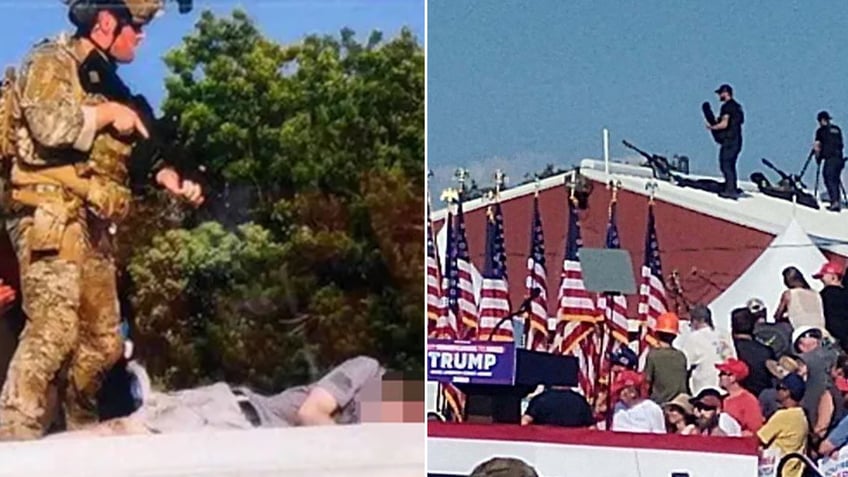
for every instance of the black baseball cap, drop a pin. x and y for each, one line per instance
(625, 357)
(725, 88)
(823, 115)
(795, 385)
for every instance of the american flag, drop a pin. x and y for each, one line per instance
(466, 304)
(577, 313)
(448, 325)
(494, 293)
(652, 300)
(537, 339)
(434, 287)
(615, 310)
(615, 314)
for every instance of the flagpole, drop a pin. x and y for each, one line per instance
(527, 325)
(606, 152)
(610, 301)
(450, 197)
(651, 187)
(560, 325)
(605, 332)
(529, 340)
(609, 385)
(439, 267)
(430, 222)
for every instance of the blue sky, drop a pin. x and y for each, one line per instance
(519, 84)
(24, 22)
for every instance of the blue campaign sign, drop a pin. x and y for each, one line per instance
(475, 362)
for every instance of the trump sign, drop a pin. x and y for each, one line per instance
(475, 362)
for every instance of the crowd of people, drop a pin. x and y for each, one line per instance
(783, 382)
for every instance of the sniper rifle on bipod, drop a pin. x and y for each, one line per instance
(789, 188)
(787, 180)
(659, 164)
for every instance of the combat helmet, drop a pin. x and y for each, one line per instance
(82, 13)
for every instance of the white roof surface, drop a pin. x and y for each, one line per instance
(763, 278)
(365, 450)
(828, 230)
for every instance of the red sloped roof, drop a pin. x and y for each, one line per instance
(708, 253)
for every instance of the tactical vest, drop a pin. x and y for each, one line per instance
(99, 178)
(10, 119)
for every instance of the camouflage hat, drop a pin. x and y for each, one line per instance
(137, 12)
(143, 11)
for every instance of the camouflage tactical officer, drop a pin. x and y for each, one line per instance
(69, 189)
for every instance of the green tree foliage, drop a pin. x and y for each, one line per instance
(474, 191)
(309, 249)
(548, 171)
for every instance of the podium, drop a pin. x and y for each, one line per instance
(495, 376)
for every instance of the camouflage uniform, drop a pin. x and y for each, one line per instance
(63, 239)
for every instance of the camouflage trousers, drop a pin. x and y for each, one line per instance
(70, 300)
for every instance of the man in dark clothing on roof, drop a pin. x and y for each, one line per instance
(828, 149)
(730, 120)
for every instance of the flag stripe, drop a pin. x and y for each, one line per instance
(577, 313)
(434, 289)
(494, 293)
(652, 298)
(537, 335)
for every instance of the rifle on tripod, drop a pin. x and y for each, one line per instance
(659, 164)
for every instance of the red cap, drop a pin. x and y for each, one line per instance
(735, 367)
(832, 268)
(626, 379)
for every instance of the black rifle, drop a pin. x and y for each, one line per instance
(789, 180)
(99, 76)
(659, 164)
(709, 115)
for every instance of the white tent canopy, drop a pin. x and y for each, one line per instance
(763, 279)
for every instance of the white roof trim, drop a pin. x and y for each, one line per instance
(512, 193)
(757, 211)
(291, 451)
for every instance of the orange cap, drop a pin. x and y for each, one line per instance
(668, 322)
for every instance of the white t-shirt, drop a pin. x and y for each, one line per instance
(704, 349)
(729, 425)
(645, 417)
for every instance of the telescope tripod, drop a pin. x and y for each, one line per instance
(818, 174)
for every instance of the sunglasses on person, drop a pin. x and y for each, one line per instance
(703, 407)
(724, 373)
